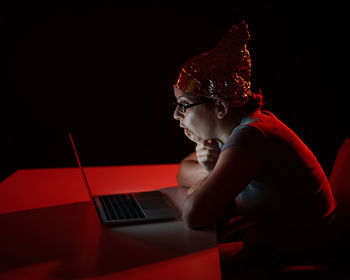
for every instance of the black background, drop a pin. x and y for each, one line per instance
(104, 71)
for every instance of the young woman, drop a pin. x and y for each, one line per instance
(246, 157)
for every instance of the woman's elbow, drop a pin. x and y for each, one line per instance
(179, 178)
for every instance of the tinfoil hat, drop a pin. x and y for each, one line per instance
(223, 72)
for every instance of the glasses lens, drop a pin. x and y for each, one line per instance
(180, 106)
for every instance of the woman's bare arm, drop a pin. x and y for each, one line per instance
(197, 166)
(191, 172)
(234, 170)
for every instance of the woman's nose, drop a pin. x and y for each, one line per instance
(177, 115)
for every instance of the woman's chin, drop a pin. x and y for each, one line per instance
(191, 136)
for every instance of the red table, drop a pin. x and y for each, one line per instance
(50, 229)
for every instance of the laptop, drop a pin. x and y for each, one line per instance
(129, 208)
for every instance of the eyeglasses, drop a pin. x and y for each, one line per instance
(183, 107)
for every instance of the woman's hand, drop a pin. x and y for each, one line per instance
(208, 152)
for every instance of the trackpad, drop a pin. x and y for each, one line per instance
(157, 203)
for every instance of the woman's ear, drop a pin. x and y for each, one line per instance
(221, 109)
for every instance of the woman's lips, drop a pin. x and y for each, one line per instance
(184, 127)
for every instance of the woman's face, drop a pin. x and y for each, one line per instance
(198, 122)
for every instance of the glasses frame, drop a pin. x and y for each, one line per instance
(184, 107)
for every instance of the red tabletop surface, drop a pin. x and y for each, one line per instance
(36, 188)
(50, 229)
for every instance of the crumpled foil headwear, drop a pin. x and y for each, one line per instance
(223, 72)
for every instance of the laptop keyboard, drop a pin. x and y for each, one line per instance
(121, 207)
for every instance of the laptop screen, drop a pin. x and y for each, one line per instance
(80, 166)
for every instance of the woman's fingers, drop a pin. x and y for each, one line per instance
(208, 152)
(210, 144)
(205, 153)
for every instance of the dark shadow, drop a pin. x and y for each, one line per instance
(36, 236)
(73, 236)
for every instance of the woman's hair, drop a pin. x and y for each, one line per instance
(254, 103)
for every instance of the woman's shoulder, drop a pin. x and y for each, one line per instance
(252, 126)
(259, 116)
(248, 137)
(266, 122)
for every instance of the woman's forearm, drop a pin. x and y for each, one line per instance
(191, 172)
